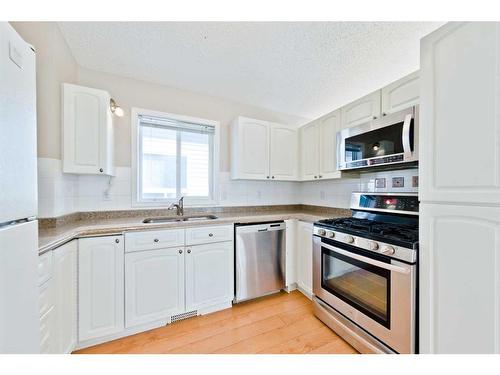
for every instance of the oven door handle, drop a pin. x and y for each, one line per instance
(373, 262)
(406, 135)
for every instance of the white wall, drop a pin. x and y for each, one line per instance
(61, 193)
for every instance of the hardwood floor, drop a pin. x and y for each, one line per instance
(281, 323)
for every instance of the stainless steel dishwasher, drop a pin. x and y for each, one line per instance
(260, 259)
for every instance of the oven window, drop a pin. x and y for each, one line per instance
(363, 286)
(379, 142)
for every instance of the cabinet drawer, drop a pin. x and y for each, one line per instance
(46, 297)
(44, 267)
(203, 235)
(150, 240)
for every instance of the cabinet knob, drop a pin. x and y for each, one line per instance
(101, 170)
(180, 251)
(210, 235)
(315, 176)
(156, 240)
(189, 251)
(384, 114)
(267, 177)
(320, 176)
(374, 117)
(117, 240)
(272, 177)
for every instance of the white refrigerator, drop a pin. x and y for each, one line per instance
(19, 311)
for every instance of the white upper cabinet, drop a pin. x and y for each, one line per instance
(87, 139)
(460, 80)
(309, 151)
(261, 150)
(319, 148)
(329, 125)
(362, 110)
(401, 94)
(283, 152)
(100, 287)
(250, 149)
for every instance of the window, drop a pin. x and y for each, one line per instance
(174, 157)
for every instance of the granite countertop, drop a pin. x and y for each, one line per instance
(50, 238)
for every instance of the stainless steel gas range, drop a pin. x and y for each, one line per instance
(365, 272)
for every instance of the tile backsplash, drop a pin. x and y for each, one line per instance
(60, 193)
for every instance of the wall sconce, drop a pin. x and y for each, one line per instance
(115, 108)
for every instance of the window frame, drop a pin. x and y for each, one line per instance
(136, 171)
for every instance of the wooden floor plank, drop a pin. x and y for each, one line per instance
(281, 323)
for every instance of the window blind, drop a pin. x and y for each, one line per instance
(167, 123)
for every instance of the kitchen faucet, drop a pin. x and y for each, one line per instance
(179, 206)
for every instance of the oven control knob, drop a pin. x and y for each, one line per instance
(321, 232)
(372, 245)
(349, 239)
(389, 250)
(330, 234)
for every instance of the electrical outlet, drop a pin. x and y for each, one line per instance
(414, 181)
(398, 182)
(106, 196)
(380, 183)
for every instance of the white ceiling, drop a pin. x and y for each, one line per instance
(299, 68)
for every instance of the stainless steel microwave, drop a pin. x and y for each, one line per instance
(389, 140)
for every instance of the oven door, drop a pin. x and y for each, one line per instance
(387, 140)
(374, 291)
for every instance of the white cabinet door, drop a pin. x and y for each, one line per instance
(284, 150)
(362, 110)
(309, 152)
(460, 80)
(100, 287)
(154, 285)
(65, 281)
(328, 128)
(459, 257)
(209, 275)
(250, 149)
(87, 131)
(401, 94)
(305, 256)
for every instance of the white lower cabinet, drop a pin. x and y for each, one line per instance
(65, 287)
(304, 256)
(459, 255)
(154, 285)
(100, 287)
(209, 276)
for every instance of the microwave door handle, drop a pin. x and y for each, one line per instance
(406, 135)
(373, 262)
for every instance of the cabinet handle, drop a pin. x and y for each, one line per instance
(210, 235)
(180, 251)
(189, 251)
(156, 240)
(101, 170)
(117, 240)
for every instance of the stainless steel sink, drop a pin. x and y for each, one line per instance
(172, 219)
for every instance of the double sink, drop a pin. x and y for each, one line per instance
(170, 219)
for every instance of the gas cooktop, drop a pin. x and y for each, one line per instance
(394, 233)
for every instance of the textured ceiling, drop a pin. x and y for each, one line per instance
(299, 68)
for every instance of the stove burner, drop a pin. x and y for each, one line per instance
(368, 228)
